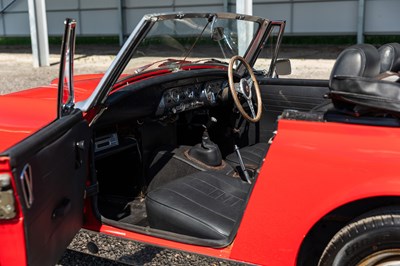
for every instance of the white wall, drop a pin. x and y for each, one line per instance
(330, 17)
(304, 17)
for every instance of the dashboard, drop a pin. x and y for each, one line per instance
(179, 99)
(166, 95)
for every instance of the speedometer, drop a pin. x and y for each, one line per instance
(175, 95)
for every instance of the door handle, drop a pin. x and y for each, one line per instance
(62, 209)
(79, 153)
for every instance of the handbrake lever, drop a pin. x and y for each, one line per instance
(242, 167)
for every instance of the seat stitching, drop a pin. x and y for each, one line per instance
(240, 199)
(204, 207)
(216, 189)
(186, 184)
(219, 179)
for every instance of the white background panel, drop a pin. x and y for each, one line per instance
(99, 22)
(147, 3)
(382, 16)
(55, 21)
(61, 4)
(17, 6)
(133, 16)
(327, 17)
(16, 24)
(274, 12)
(197, 2)
(309, 18)
(270, 1)
(87, 4)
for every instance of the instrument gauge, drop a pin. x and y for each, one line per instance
(175, 95)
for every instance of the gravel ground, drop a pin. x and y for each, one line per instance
(106, 251)
(17, 73)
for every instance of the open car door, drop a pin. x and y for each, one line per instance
(49, 169)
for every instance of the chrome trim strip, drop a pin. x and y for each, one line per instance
(27, 186)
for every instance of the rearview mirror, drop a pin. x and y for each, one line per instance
(283, 67)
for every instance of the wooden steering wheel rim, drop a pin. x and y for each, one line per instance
(234, 93)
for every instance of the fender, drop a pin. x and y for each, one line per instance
(311, 169)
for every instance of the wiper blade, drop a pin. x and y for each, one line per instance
(210, 19)
(212, 60)
(164, 63)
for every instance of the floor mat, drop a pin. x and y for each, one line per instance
(121, 209)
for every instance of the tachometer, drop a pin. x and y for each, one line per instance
(175, 95)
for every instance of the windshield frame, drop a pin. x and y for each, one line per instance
(99, 95)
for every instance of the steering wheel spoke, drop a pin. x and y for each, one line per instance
(251, 106)
(250, 82)
(245, 89)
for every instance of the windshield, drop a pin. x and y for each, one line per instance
(180, 42)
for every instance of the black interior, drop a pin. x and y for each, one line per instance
(165, 148)
(170, 136)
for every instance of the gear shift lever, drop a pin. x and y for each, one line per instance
(205, 139)
(207, 151)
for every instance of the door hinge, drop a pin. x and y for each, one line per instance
(91, 190)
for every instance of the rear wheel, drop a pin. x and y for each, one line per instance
(372, 240)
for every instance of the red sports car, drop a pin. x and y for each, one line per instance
(192, 140)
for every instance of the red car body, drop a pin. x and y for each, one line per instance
(314, 174)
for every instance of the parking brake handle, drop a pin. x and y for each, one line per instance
(242, 167)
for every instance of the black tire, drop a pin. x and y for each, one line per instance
(368, 239)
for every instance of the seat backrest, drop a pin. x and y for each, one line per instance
(389, 57)
(354, 86)
(360, 60)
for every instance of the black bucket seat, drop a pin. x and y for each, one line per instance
(204, 208)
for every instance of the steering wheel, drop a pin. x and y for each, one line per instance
(243, 88)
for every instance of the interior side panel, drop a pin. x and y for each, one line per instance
(57, 167)
(280, 94)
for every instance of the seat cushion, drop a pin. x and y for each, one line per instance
(204, 205)
(252, 156)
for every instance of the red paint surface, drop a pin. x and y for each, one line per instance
(25, 112)
(20, 117)
(12, 238)
(311, 169)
